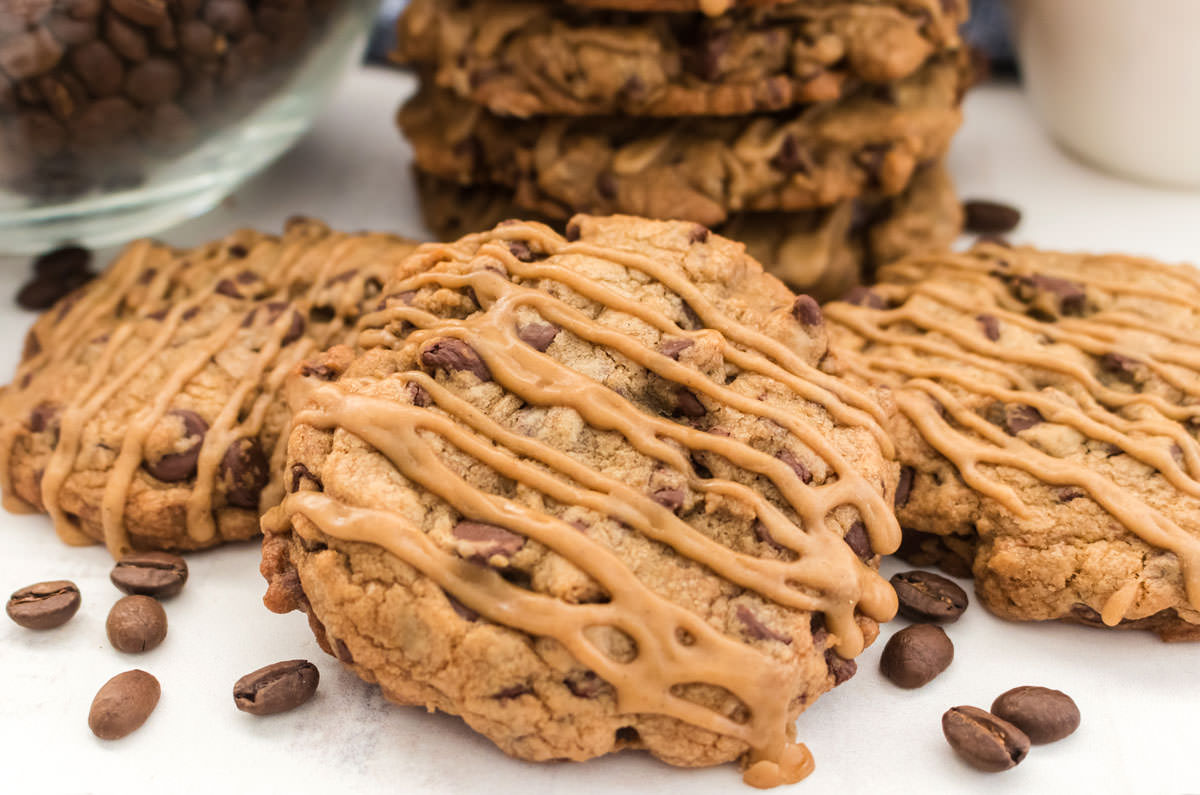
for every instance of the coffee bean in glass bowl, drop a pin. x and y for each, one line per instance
(120, 117)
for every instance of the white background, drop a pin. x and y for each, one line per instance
(1140, 698)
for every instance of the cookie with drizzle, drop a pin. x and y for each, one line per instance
(591, 492)
(1048, 411)
(146, 411)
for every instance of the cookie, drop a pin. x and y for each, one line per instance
(1049, 407)
(822, 253)
(696, 169)
(537, 58)
(146, 411)
(934, 8)
(591, 492)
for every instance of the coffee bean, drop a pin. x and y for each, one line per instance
(984, 741)
(915, 655)
(40, 293)
(136, 624)
(990, 218)
(276, 688)
(157, 574)
(45, 605)
(62, 263)
(123, 704)
(925, 596)
(1045, 715)
(148, 13)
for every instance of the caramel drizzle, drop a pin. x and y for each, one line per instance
(294, 260)
(970, 442)
(825, 575)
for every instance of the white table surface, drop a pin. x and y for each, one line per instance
(1140, 698)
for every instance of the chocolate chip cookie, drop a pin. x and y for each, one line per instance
(146, 410)
(1049, 410)
(822, 253)
(591, 492)
(531, 58)
(933, 8)
(697, 169)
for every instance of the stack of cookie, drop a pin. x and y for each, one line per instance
(812, 130)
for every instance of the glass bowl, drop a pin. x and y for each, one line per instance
(121, 117)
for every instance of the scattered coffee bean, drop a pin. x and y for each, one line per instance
(157, 574)
(45, 605)
(276, 688)
(136, 624)
(990, 218)
(123, 704)
(925, 596)
(984, 741)
(915, 655)
(42, 292)
(1045, 715)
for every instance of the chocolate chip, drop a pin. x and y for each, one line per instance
(486, 540)
(344, 276)
(671, 499)
(1044, 715)
(321, 371)
(925, 596)
(1018, 418)
(859, 541)
(123, 704)
(687, 404)
(538, 335)
(864, 296)
(1068, 494)
(708, 52)
(791, 159)
(301, 473)
(136, 624)
(983, 740)
(904, 486)
(157, 574)
(227, 287)
(789, 458)
(244, 473)
(1123, 368)
(174, 467)
(698, 234)
(915, 655)
(451, 355)
(983, 217)
(584, 684)
(515, 691)
(764, 535)
(807, 311)
(44, 605)
(841, 668)
(277, 687)
(606, 186)
(520, 249)
(990, 326)
(294, 331)
(572, 232)
(674, 347)
(1071, 296)
(43, 417)
(238, 251)
(418, 395)
(755, 628)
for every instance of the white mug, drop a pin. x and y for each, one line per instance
(1117, 82)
